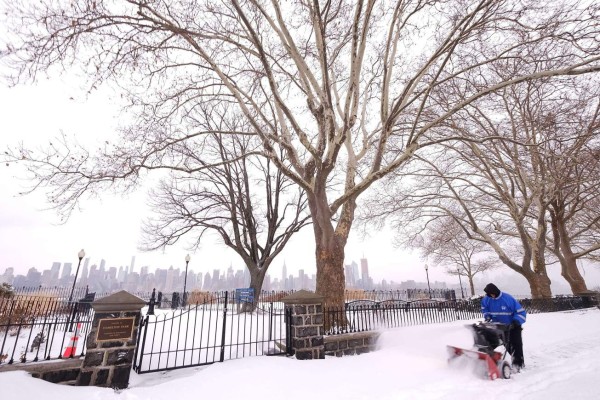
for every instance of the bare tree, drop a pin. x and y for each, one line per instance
(445, 243)
(572, 162)
(349, 91)
(500, 192)
(248, 203)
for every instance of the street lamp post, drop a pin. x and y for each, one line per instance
(462, 294)
(187, 261)
(80, 255)
(428, 286)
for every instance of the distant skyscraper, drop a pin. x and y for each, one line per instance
(34, 277)
(84, 272)
(199, 280)
(102, 266)
(302, 278)
(355, 273)
(350, 277)
(54, 273)
(215, 279)
(364, 269)
(170, 284)
(284, 276)
(66, 272)
(207, 282)
(93, 272)
(46, 277)
(132, 264)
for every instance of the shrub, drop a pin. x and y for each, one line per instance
(6, 290)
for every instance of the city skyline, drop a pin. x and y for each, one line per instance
(106, 278)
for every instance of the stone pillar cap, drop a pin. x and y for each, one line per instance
(120, 301)
(303, 297)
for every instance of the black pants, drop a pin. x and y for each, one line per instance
(515, 346)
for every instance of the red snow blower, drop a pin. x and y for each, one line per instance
(487, 336)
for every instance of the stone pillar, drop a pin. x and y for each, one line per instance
(111, 342)
(307, 324)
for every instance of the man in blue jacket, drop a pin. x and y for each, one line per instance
(501, 307)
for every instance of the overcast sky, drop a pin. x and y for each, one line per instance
(109, 228)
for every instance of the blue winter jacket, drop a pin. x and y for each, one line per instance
(504, 309)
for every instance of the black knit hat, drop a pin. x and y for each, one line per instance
(492, 289)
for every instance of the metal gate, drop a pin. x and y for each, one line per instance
(215, 330)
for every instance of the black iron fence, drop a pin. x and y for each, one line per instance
(560, 303)
(214, 330)
(63, 293)
(175, 300)
(365, 315)
(207, 327)
(40, 328)
(400, 294)
(170, 299)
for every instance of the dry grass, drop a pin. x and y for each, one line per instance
(23, 309)
(199, 297)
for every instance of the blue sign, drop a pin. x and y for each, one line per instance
(245, 294)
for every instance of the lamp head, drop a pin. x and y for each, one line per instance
(81, 254)
(187, 258)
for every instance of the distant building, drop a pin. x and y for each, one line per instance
(83, 280)
(284, 275)
(350, 276)
(34, 277)
(132, 265)
(54, 273)
(66, 272)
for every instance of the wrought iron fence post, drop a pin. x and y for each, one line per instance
(137, 365)
(152, 302)
(270, 320)
(288, 331)
(12, 306)
(224, 329)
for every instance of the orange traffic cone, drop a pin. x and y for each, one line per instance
(71, 349)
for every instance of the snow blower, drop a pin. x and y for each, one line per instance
(487, 336)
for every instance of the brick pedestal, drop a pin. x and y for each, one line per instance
(307, 324)
(110, 343)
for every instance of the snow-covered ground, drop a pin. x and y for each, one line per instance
(561, 356)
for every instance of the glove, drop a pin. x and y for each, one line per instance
(488, 319)
(515, 325)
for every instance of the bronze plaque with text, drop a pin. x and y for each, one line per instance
(115, 329)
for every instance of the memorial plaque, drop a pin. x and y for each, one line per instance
(115, 329)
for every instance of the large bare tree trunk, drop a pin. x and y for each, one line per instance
(330, 266)
(570, 272)
(471, 285)
(257, 277)
(330, 242)
(538, 279)
(562, 250)
(539, 284)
